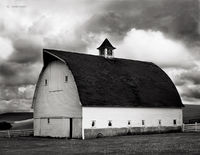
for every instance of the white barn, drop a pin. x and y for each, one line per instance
(83, 96)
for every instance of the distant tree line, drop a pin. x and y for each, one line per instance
(5, 126)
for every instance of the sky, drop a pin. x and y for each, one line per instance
(165, 32)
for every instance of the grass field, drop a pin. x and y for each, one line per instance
(172, 143)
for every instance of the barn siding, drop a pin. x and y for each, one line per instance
(46, 128)
(77, 128)
(56, 99)
(120, 116)
(97, 133)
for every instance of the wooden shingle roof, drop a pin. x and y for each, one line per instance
(117, 82)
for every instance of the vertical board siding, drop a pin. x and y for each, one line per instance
(57, 98)
(57, 101)
(121, 116)
(55, 128)
(77, 128)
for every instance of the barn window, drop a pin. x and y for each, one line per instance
(48, 120)
(109, 52)
(174, 121)
(109, 123)
(129, 122)
(142, 122)
(102, 52)
(159, 122)
(93, 123)
(66, 78)
(45, 82)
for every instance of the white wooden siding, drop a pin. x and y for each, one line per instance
(55, 128)
(57, 98)
(121, 116)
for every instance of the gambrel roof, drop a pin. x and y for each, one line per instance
(117, 82)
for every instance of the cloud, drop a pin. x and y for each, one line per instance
(16, 74)
(179, 18)
(187, 83)
(192, 75)
(15, 105)
(14, 98)
(162, 31)
(155, 47)
(27, 49)
(192, 91)
(6, 48)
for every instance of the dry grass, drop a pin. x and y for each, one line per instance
(173, 143)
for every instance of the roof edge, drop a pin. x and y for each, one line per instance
(45, 51)
(49, 52)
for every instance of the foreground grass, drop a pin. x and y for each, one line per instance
(173, 143)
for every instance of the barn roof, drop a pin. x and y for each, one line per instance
(117, 82)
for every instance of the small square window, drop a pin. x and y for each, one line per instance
(174, 121)
(66, 78)
(109, 123)
(48, 120)
(142, 122)
(93, 123)
(129, 122)
(159, 122)
(45, 82)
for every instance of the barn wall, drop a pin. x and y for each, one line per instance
(120, 117)
(58, 127)
(77, 128)
(52, 127)
(57, 99)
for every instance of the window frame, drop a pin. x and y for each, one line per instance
(143, 122)
(66, 78)
(93, 123)
(45, 82)
(110, 123)
(129, 122)
(159, 122)
(174, 122)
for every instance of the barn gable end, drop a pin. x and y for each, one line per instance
(57, 103)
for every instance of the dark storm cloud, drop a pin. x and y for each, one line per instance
(7, 69)
(31, 31)
(188, 77)
(16, 74)
(192, 75)
(177, 18)
(191, 92)
(179, 81)
(26, 50)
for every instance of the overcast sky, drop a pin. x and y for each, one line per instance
(166, 32)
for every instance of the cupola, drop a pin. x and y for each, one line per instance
(106, 49)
